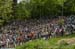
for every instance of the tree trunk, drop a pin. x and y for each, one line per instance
(14, 5)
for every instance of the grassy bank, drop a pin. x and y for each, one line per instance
(48, 44)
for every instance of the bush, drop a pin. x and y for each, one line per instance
(61, 22)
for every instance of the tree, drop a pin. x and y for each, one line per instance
(14, 6)
(69, 7)
(23, 10)
(44, 8)
(5, 10)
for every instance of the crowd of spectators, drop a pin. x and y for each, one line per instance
(18, 32)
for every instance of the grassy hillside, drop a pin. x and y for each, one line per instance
(52, 43)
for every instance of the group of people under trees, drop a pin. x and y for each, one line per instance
(17, 32)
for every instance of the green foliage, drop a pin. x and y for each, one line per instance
(39, 8)
(5, 10)
(48, 44)
(23, 10)
(35, 9)
(61, 22)
(45, 8)
(1, 22)
(41, 44)
(69, 7)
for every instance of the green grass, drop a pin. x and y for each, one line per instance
(47, 44)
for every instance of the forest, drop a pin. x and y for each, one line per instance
(29, 9)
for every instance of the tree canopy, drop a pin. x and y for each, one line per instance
(5, 10)
(10, 9)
